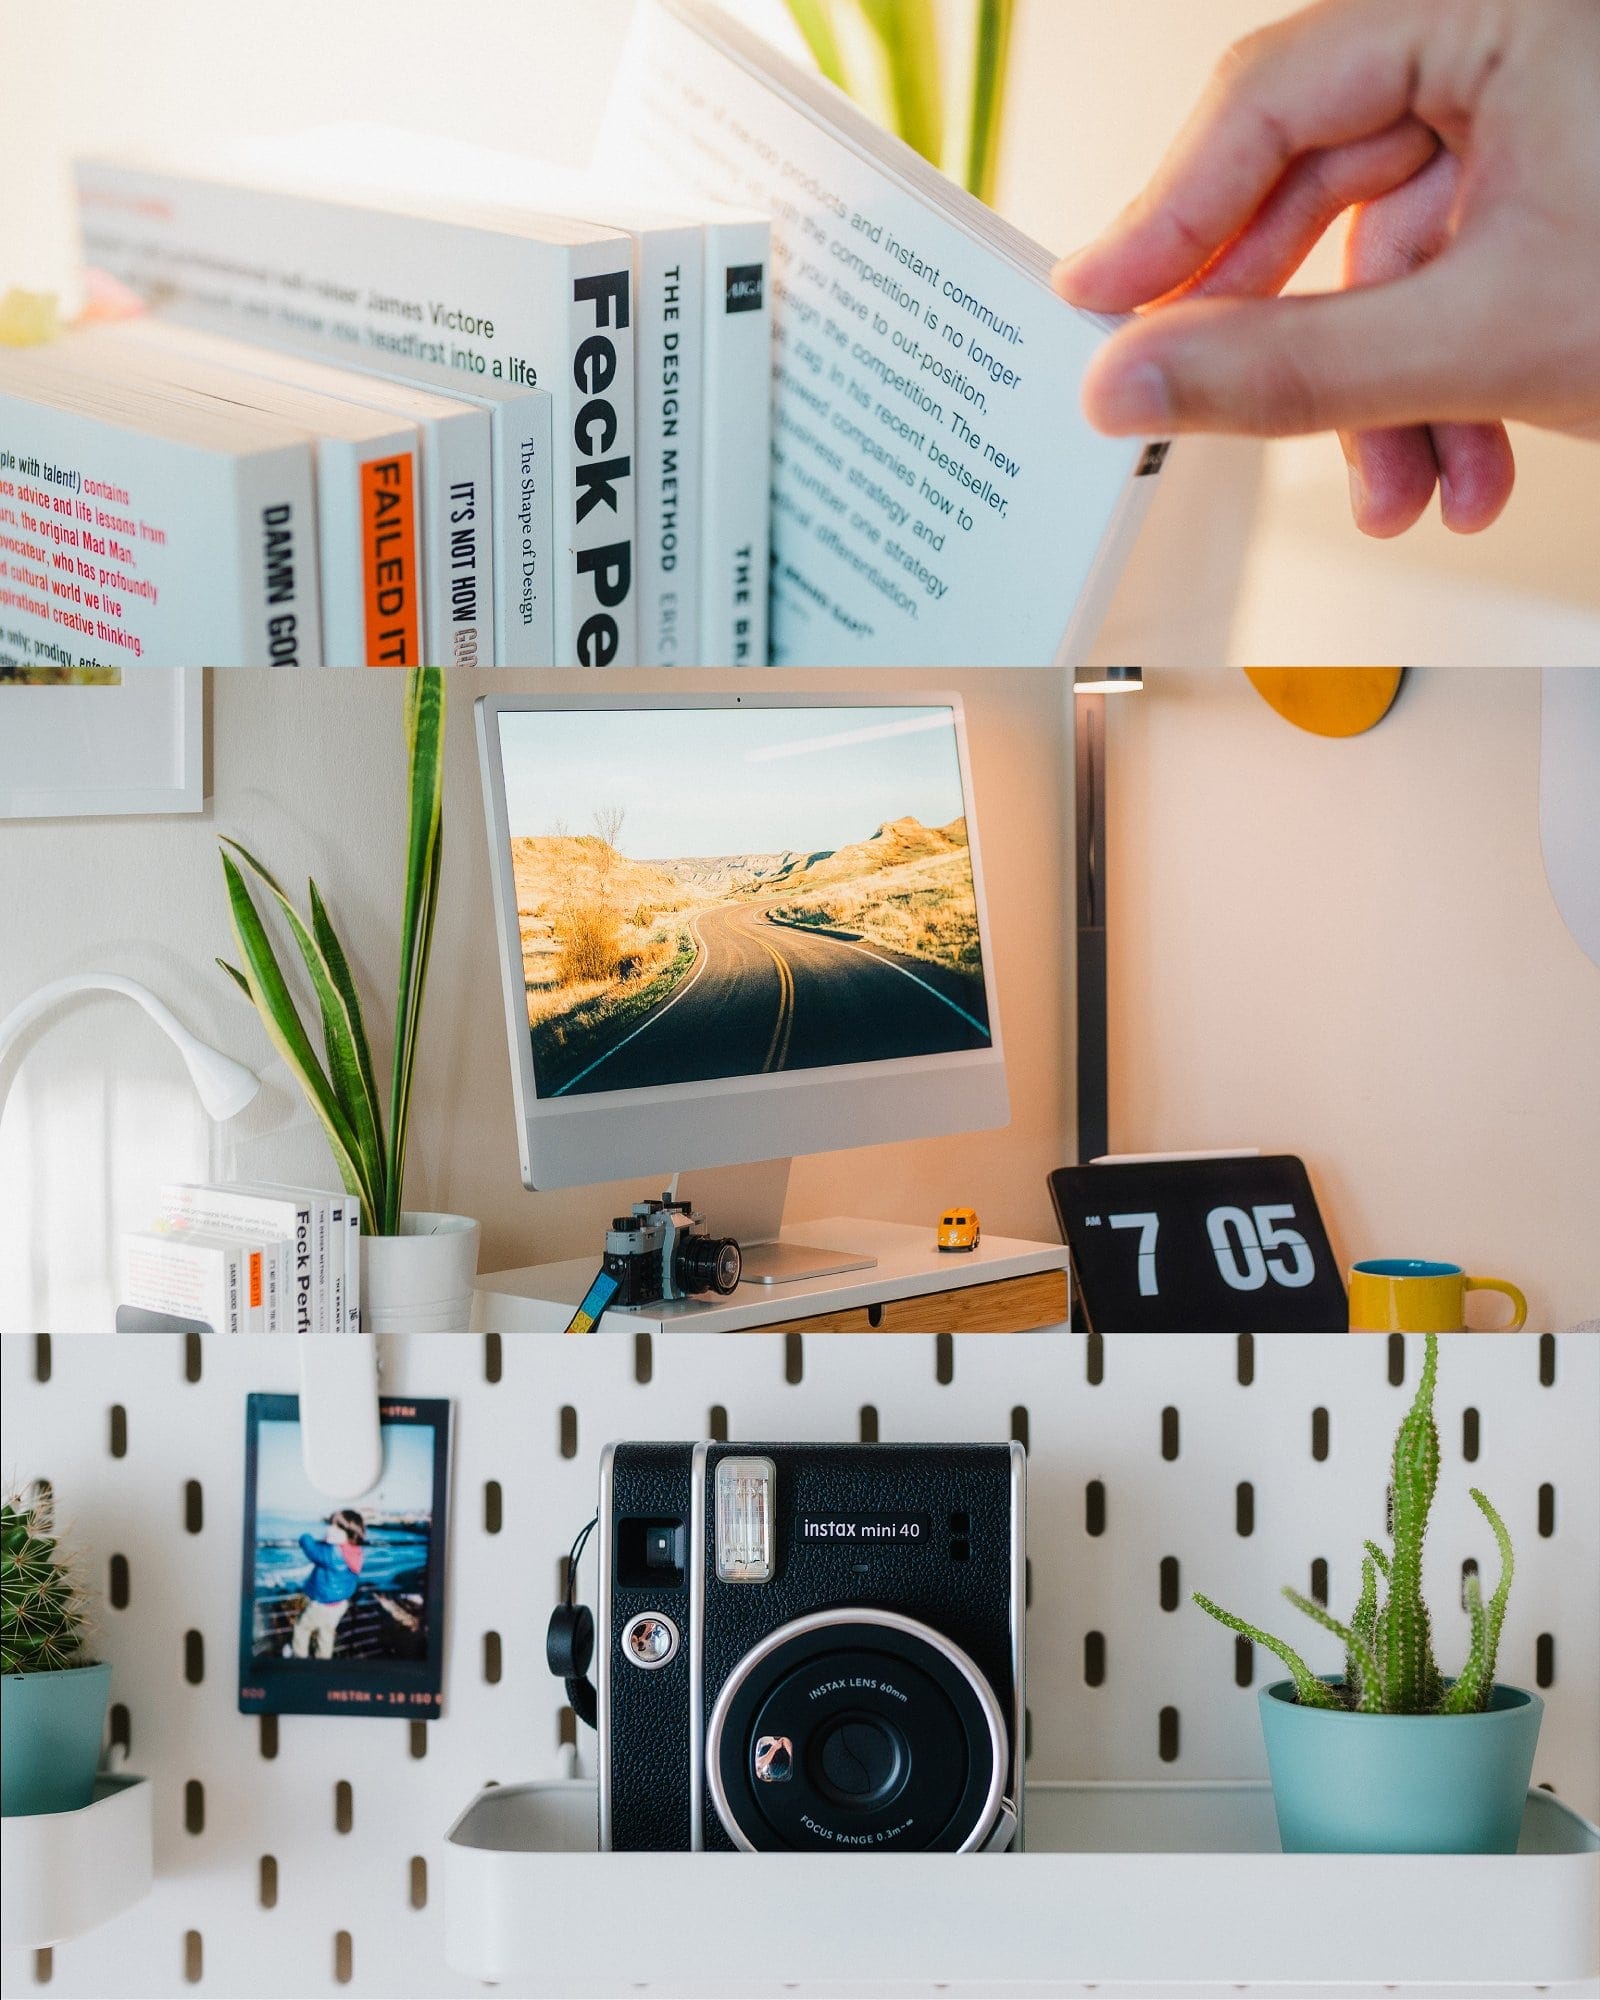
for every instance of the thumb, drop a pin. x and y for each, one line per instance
(1414, 351)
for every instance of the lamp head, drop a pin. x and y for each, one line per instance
(223, 1086)
(1108, 680)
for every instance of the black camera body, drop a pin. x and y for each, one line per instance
(815, 1647)
(659, 1252)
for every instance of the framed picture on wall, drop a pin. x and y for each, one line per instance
(79, 741)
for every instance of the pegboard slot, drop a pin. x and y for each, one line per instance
(1169, 1583)
(568, 1442)
(1469, 1435)
(1244, 1661)
(344, 1806)
(1319, 1435)
(416, 1740)
(1094, 1507)
(944, 1359)
(1169, 1433)
(194, 1807)
(1544, 1660)
(1244, 1361)
(1167, 1735)
(417, 1882)
(1547, 1510)
(194, 1507)
(117, 1431)
(867, 1424)
(493, 1507)
(119, 1583)
(1318, 1592)
(194, 1658)
(1094, 1659)
(44, 1962)
(1244, 1508)
(194, 1958)
(267, 1882)
(344, 1958)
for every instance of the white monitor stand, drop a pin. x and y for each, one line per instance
(747, 1204)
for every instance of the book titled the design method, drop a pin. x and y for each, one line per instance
(938, 499)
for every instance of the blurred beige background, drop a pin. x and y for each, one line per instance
(1249, 555)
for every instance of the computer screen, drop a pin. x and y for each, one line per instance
(736, 928)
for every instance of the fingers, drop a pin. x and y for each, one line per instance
(1404, 353)
(1337, 73)
(1393, 473)
(1309, 199)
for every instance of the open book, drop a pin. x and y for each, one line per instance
(938, 499)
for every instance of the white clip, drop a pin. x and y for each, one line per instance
(340, 1440)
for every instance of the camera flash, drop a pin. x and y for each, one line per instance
(744, 1507)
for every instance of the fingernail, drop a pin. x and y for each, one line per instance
(1067, 268)
(1358, 494)
(1137, 399)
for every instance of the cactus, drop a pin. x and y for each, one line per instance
(41, 1613)
(1389, 1667)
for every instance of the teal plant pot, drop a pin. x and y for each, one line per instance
(51, 1727)
(1400, 1784)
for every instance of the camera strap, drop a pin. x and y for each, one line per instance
(569, 1638)
(595, 1300)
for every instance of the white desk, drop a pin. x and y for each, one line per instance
(912, 1288)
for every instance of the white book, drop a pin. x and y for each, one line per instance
(437, 292)
(455, 478)
(277, 1222)
(678, 362)
(137, 525)
(185, 1275)
(291, 1210)
(352, 1264)
(938, 498)
(368, 488)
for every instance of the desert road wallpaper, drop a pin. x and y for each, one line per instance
(708, 893)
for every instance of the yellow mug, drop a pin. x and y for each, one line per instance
(1408, 1295)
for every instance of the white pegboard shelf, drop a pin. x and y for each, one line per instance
(1147, 1883)
(1156, 1465)
(67, 1873)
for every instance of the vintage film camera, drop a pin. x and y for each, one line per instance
(658, 1252)
(804, 1646)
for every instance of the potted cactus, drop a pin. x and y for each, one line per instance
(54, 1696)
(1391, 1756)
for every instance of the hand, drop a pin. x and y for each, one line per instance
(1465, 137)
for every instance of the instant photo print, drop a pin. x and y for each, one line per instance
(342, 1603)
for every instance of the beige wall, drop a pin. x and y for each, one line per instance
(1349, 950)
(307, 771)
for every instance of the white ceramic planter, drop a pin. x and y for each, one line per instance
(421, 1280)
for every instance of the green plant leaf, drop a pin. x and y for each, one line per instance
(1363, 1682)
(339, 967)
(341, 1030)
(275, 1004)
(1380, 1560)
(908, 33)
(1474, 1687)
(811, 18)
(994, 24)
(425, 724)
(1412, 1683)
(1309, 1689)
(238, 979)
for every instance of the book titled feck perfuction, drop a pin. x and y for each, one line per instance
(462, 297)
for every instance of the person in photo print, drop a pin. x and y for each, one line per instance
(335, 1577)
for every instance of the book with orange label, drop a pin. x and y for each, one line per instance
(367, 530)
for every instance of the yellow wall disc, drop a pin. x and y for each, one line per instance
(1329, 701)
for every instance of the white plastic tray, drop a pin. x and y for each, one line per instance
(1148, 1883)
(63, 1873)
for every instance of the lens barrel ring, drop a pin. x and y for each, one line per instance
(748, 1690)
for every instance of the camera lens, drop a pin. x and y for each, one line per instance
(707, 1264)
(859, 1761)
(894, 1737)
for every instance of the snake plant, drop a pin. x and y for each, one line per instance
(886, 55)
(341, 1085)
(1389, 1666)
(41, 1613)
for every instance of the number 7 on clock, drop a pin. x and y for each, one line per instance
(1147, 1222)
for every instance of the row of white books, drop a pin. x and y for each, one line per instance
(244, 1258)
(813, 405)
(367, 425)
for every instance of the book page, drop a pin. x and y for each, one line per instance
(937, 497)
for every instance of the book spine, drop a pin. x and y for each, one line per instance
(669, 392)
(253, 1286)
(280, 593)
(320, 1321)
(391, 561)
(737, 470)
(352, 1265)
(337, 1238)
(524, 530)
(459, 581)
(594, 421)
(274, 1275)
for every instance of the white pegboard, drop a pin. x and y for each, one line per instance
(351, 1911)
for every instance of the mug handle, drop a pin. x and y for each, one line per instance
(1511, 1292)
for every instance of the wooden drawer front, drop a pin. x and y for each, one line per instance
(1011, 1305)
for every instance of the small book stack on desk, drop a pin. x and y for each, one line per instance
(242, 1258)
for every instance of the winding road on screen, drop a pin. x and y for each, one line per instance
(763, 996)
